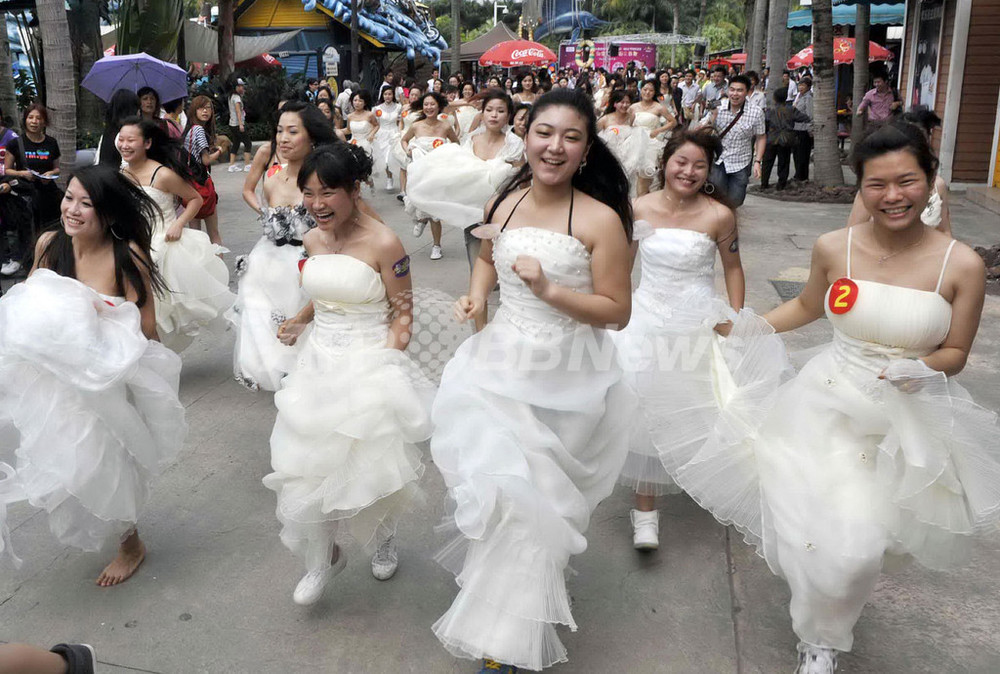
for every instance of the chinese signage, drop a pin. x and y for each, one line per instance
(587, 54)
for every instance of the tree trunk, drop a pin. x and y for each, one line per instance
(456, 36)
(85, 32)
(777, 41)
(677, 27)
(355, 49)
(828, 170)
(861, 32)
(8, 97)
(701, 16)
(755, 56)
(59, 84)
(227, 45)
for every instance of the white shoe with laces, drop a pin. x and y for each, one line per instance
(386, 559)
(310, 588)
(816, 659)
(10, 268)
(645, 529)
(388, 184)
(418, 229)
(435, 252)
(233, 168)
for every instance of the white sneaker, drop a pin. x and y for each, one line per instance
(435, 252)
(246, 169)
(310, 588)
(645, 529)
(418, 229)
(10, 268)
(388, 184)
(815, 659)
(233, 168)
(386, 559)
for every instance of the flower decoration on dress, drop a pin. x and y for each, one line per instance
(287, 224)
(240, 265)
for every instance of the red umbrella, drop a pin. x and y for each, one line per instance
(843, 52)
(514, 53)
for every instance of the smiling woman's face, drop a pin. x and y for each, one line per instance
(556, 144)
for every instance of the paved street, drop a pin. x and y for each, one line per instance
(214, 594)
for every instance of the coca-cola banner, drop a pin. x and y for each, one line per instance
(596, 55)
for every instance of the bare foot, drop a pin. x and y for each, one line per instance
(130, 555)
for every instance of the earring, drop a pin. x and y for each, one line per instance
(708, 188)
(115, 234)
(582, 165)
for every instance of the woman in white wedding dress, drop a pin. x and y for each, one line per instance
(872, 453)
(363, 124)
(88, 398)
(399, 159)
(652, 117)
(196, 279)
(616, 128)
(387, 136)
(452, 183)
(690, 382)
(343, 445)
(432, 130)
(528, 432)
(269, 291)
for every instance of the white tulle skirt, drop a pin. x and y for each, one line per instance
(343, 445)
(649, 164)
(452, 184)
(670, 349)
(88, 409)
(628, 144)
(852, 469)
(382, 149)
(197, 283)
(269, 293)
(527, 454)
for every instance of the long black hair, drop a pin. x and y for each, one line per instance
(162, 149)
(126, 214)
(336, 165)
(497, 95)
(317, 126)
(600, 176)
(439, 98)
(124, 103)
(899, 135)
(615, 96)
(365, 97)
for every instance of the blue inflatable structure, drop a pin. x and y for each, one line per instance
(565, 16)
(402, 23)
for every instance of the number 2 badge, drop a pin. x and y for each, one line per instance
(843, 295)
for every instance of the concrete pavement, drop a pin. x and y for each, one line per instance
(215, 592)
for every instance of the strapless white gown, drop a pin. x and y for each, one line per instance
(386, 138)
(851, 469)
(465, 116)
(399, 158)
(359, 134)
(452, 184)
(692, 384)
(88, 409)
(269, 293)
(628, 145)
(349, 415)
(421, 149)
(649, 163)
(197, 279)
(527, 436)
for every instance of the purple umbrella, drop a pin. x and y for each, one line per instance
(133, 72)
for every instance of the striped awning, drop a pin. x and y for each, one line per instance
(846, 15)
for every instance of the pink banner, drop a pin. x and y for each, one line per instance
(595, 55)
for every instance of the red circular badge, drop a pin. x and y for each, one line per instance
(843, 295)
(437, 143)
(378, 113)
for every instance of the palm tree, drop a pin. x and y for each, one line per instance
(861, 69)
(84, 31)
(60, 85)
(757, 33)
(777, 41)
(828, 170)
(227, 43)
(8, 97)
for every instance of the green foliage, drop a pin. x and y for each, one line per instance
(87, 139)
(473, 14)
(24, 86)
(152, 30)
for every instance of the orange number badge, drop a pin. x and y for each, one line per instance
(843, 295)
(437, 143)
